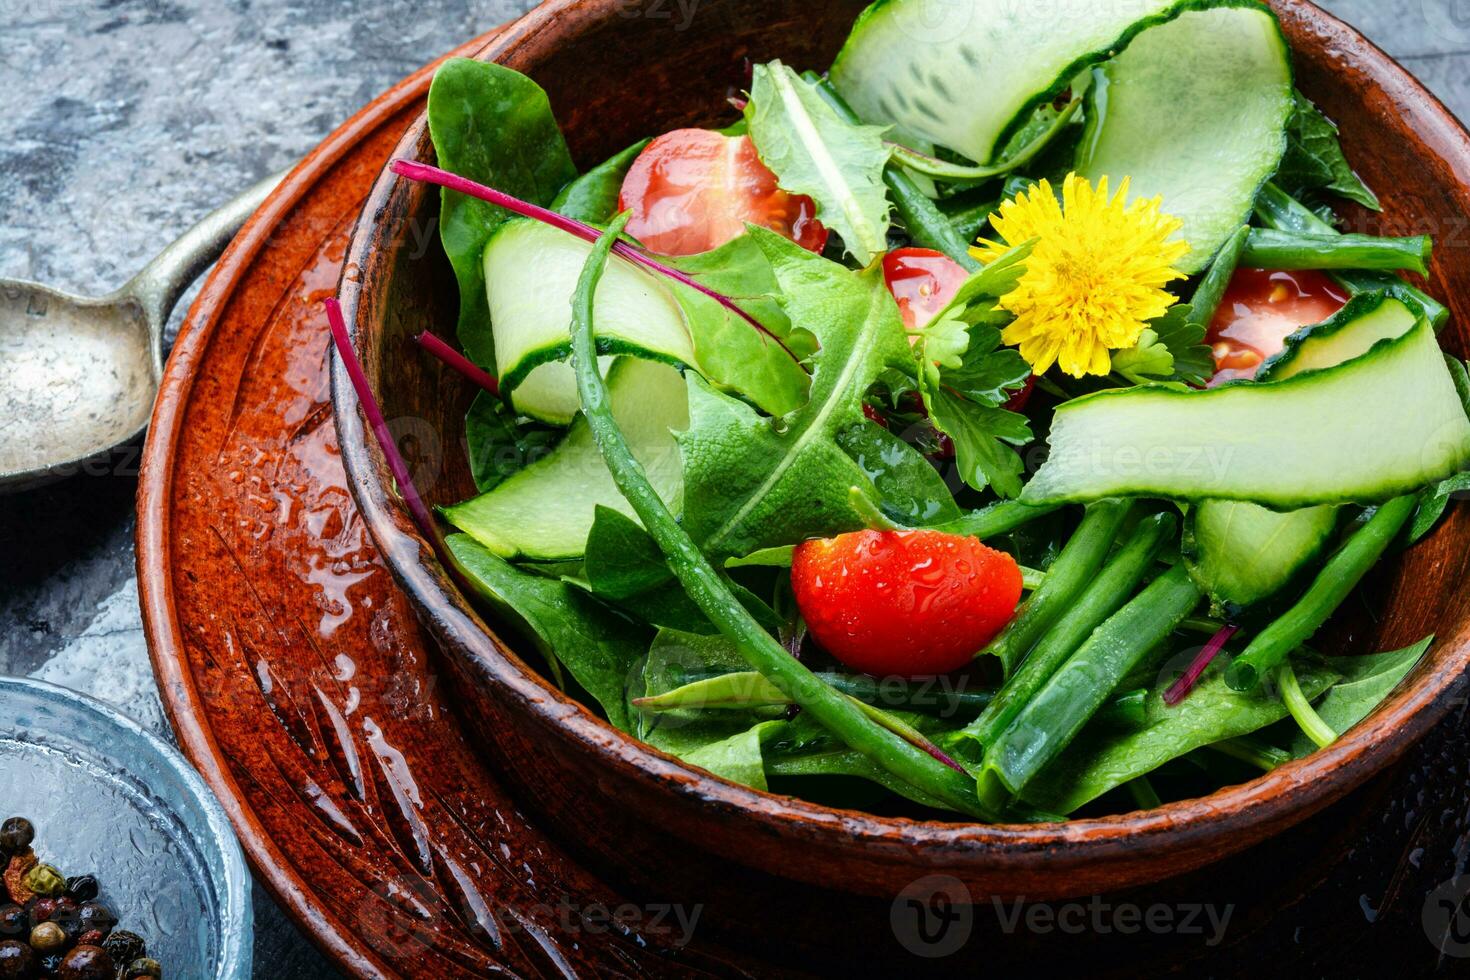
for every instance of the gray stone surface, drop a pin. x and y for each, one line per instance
(129, 119)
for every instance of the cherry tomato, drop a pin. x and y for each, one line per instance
(904, 603)
(692, 190)
(923, 281)
(1260, 310)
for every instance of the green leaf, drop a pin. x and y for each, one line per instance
(762, 366)
(593, 197)
(1432, 504)
(910, 489)
(1100, 761)
(1194, 364)
(1149, 360)
(1366, 681)
(597, 647)
(814, 151)
(500, 445)
(1315, 161)
(982, 437)
(492, 125)
(753, 482)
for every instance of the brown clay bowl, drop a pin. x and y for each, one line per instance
(613, 76)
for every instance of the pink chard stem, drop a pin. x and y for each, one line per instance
(1197, 668)
(457, 362)
(396, 463)
(424, 173)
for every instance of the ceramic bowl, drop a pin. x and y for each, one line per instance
(109, 798)
(614, 76)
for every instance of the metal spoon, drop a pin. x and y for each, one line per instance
(78, 375)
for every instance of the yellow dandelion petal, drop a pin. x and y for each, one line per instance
(1095, 277)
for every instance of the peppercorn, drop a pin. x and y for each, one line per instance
(15, 877)
(17, 961)
(92, 937)
(43, 879)
(144, 967)
(13, 921)
(83, 888)
(87, 963)
(95, 915)
(125, 947)
(69, 917)
(16, 834)
(48, 937)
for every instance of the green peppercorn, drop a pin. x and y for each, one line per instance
(16, 835)
(144, 967)
(48, 937)
(87, 963)
(45, 880)
(125, 947)
(83, 888)
(17, 961)
(13, 921)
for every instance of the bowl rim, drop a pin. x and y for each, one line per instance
(236, 938)
(1286, 795)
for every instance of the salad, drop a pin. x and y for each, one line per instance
(984, 426)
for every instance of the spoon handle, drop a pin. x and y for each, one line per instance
(158, 287)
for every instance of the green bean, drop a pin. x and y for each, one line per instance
(1128, 712)
(1337, 579)
(1270, 249)
(1278, 210)
(969, 213)
(1073, 569)
(1103, 596)
(998, 518)
(1145, 797)
(835, 711)
(925, 223)
(1052, 719)
(1212, 287)
(1252, 752)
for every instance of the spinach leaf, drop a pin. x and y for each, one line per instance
(1315, 161)
(1100, 761)
(499, 445)
(492, 125)
(1432, 504)
(732, 354)
(624, 566)
(596, 646)
(910, 489)
(814, 151)
(1366, 681)
(593, 197)
(753, 482)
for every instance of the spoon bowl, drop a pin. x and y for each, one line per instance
(78, 375)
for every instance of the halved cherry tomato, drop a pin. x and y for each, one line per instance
(692, 190)
(904, 603)
(1260, 310)
(923, 281)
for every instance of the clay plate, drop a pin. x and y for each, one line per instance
(648, 818)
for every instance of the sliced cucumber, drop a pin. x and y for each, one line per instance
(1193, 108)
(1352, 332)
(1195, 111)
(531, 270)
(1241, 553)
(1374, 428)
(545, 511)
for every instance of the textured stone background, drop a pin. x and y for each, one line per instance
(129, 119)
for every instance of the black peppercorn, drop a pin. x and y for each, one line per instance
(83, 888)
(13, 921)
(144, 967)
(48, 937)
(16, 835)
(95, 915)
(125, 947)
(67, 915)
(87, 963)
(17, 961)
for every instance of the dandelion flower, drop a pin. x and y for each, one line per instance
(1095, 277)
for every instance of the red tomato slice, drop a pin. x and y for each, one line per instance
(923, 281)
(1260, 310)
(694, 189)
